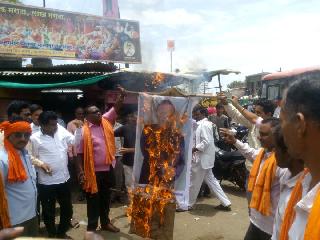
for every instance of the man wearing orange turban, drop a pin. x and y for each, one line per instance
(18, 192)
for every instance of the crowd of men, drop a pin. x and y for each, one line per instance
(283, 185)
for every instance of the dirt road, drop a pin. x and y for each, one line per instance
(202, 223)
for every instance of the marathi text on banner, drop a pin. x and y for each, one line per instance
(28, 31)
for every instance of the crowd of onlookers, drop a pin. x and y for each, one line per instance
(97, 153)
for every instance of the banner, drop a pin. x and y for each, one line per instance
(169, 147)
(111, 8)
(39, 32)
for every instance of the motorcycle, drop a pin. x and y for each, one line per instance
(231, 166)
(229, 163)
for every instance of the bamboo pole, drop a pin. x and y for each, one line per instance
(182, 95)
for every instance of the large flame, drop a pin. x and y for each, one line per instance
(158, 79)
(163, 148)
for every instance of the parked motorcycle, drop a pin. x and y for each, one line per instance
(231, 166)
(229, 163)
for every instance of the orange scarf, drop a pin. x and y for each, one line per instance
(90, 183)
(313, 225)
(290, 213)
(261, 187)
(16, 170)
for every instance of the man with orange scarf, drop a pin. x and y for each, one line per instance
(96, 160)
(291, 187)
(263, 180)
(18, 191)
(300, 121)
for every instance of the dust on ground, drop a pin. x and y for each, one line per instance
(202, 223)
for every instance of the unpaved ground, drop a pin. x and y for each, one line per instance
(202, 223)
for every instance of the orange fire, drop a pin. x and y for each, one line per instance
(158, 79)
(163, 148)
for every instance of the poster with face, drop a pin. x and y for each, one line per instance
(164, 144)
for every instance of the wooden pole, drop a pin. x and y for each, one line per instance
(190, 95)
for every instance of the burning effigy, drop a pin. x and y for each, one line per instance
(162, 164)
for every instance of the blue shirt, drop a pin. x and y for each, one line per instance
(21, 196)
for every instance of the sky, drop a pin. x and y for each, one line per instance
(244, 35)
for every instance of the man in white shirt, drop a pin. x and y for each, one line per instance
(277, 111)
(118, 170)
(263, 110)
(50, 145)
(204, 156)
(294, 171)
(261, 225)
(35, 110)
(300, 119)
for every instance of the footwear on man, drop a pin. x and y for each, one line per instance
(110, 228)
(223, 208)
(63, 236)
(74, 223)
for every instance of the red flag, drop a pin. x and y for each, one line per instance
(111, 8)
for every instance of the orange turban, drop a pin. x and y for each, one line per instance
(16, 171)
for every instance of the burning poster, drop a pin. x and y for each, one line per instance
(39, 32)
(162, 164)
(164, 143)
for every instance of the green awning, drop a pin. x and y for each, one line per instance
(73, 83)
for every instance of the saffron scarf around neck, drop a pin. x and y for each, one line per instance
(260, 182)
(90, 183)
(312, 230)
(290, 213)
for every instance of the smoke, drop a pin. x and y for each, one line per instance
(195, 64)
(148, 58)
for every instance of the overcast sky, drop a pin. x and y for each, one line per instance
(245, 35)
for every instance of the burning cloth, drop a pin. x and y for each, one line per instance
(164, 144)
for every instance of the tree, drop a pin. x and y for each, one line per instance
(236, 84)
(12, 1)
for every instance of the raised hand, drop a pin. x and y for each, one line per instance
(228, 136)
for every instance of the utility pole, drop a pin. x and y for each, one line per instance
(171, 61)
(220, 87)
(44, 3)
(170, 47)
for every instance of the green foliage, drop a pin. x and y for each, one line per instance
(236, 84)
(12, 1)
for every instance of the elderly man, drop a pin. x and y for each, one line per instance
(18, 191)
(96, 160)
(300, 121)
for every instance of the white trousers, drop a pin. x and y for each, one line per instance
(198, 175)
(128, 176)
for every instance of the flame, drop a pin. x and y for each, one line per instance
(163, 147)
(158, 79)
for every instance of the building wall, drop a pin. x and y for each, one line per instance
(254, 83)
(8, 95)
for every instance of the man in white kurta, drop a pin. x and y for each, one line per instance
(203, 161)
